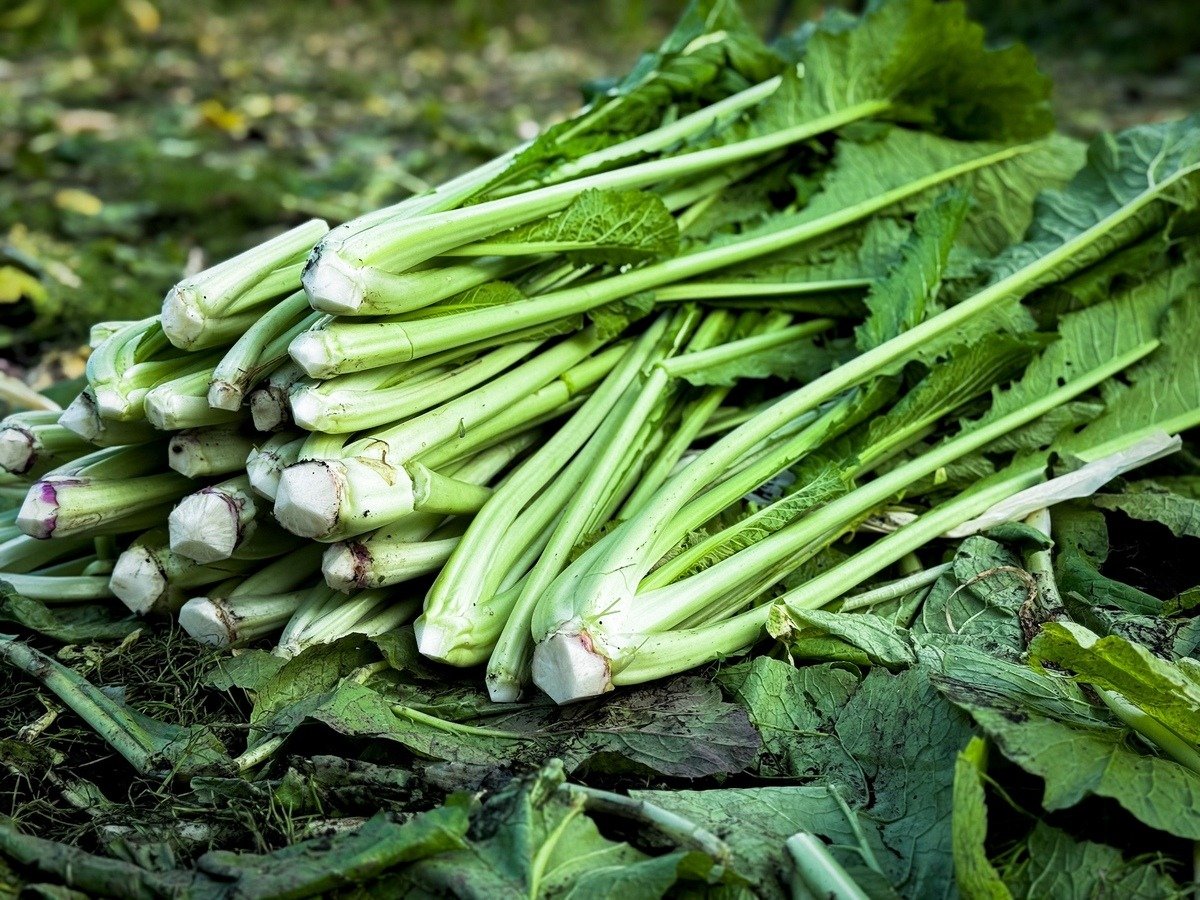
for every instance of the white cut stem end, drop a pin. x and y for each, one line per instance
(567, 668)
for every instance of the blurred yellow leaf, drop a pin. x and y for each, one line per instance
(77, 201)
(15, 284)
(145, 15)
(257, 105)
(23, 15)
(218, 115)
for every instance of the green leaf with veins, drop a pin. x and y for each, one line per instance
(1086, 339)
(893, 736)
(1153, 501)
(1133, 182)
(613, 318)
(1047, 727)
(795, 710)
(978, 602)
(1051, 863)
(485, 296)
(1163, 391)
(533, 840)
(1170, 692)
(1002, 195)
(867, 251)
(829, 484)
(974, 873)
(862, 638)
(605, 227)
(908, 294)
(929, 63)
(283, 700)
(755, 822)
(681, 728)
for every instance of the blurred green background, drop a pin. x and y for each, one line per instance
(143, 138)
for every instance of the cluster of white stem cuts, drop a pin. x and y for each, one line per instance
(467, 414)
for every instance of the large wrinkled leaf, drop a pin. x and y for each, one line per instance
(682, 728)
(908, 295)
(902, 739)
(606, 227)
(1168, 691)
(929, 63)
(533, 840)
(755, 822)
(284, 699)
(1132, 183)
(795, 710)
(979, 600)
(1054, 864)
(1046, 727)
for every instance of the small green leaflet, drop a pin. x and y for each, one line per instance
(494, 293)
(1170, 692)
(908, 295)
(827, 485)
(976, 877)
(1154, 501)
(612, 227)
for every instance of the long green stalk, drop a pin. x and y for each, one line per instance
(469, 576)
(324, 350)
(412, 241)
(610, 571)
(577, 654)
(247, 360)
